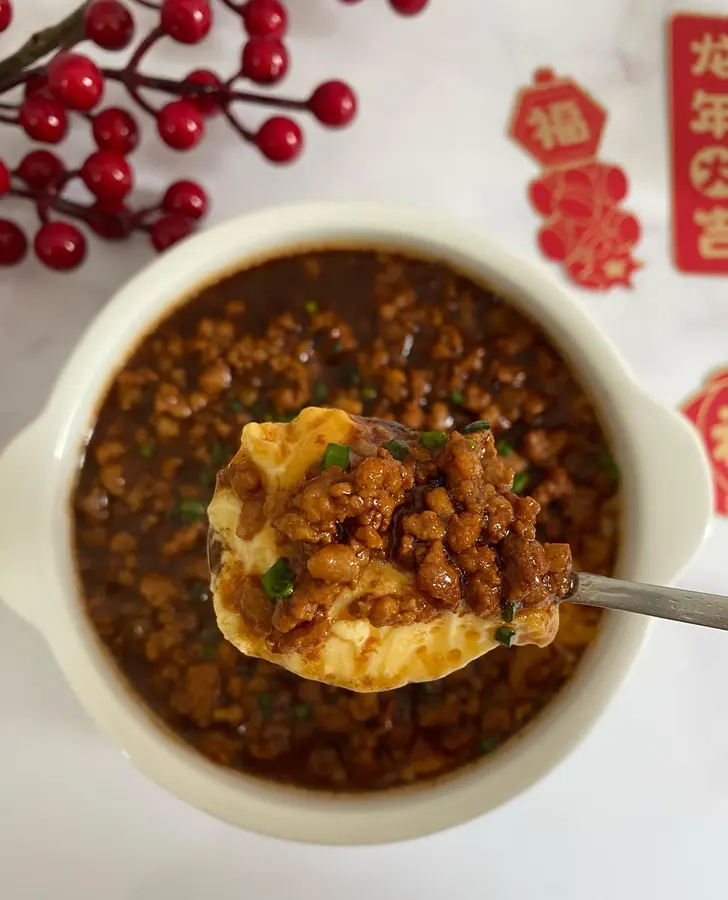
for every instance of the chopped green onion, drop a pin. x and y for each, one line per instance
(278, 580)
(369, 393)
(488, 745)
(287, 416)
(265, 704)
(210, 637)
(503, 448)
(219, 454)
(509, 610)
(336, 455)
(352, 375)
(475, 427)
(505, 635)
(311, 307)
(519, 482)
(191, 510)
(457, 397)
(302, 710)
(337, 347)
(433, 440)
(610, 467)
(206, 479)
(146, 450)
(398, 449)
(320, 391)
(236, 406)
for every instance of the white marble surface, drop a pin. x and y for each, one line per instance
(641, 809)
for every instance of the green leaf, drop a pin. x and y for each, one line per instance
(220, 454)
(509, 610)
(336, 455)
(320, 391)
(191, 510)
(457, 397)
(302, 710)
(519, 482)
(488, 745)
(398, 449)
(265, 704)
(475, 427)
(503, 448)
(433, 440)
(505, 635)
(278, 580)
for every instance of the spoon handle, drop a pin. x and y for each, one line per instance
(696, 608)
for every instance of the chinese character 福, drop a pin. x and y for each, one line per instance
(711, 54)
(712, 110)
(561, 124)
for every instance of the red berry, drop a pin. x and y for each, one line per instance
(186, 198)
(4, 178)
(408, 7)
(37, 86)
(76, 80)
(265, 18)
(208, 105)
(13, 243)
(107, 175)
(186, 21)
(109, 24)
(60, 245)
(168, 230)
(43, 120)
(6, 14)
(110, 219)
(279, 139)
(39, 168)
(333, 103)
(115, 129)
(265, 60)
(180, 125)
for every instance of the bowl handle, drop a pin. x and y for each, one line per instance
(676, 480)
(24, 541)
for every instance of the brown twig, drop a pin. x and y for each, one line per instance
(63, 34)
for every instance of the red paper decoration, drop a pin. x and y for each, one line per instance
(586, 229)
(708, 410)
(699, 131)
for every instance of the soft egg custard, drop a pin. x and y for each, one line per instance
(365, 555)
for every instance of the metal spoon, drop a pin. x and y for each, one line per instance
(696, 608)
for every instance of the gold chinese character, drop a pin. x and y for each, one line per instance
(711, 54)
(712, 114)
(719, 433)
(713, 240)
(561, 124)
(709, 172)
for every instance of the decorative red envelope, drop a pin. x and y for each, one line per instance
(708, 410)
(698, 87)
(586, 229)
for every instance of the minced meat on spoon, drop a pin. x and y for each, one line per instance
(367, 555)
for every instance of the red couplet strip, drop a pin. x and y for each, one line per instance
(698, 99)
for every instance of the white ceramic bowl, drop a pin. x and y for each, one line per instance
(660, 457)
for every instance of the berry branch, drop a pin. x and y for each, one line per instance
(45, 83)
